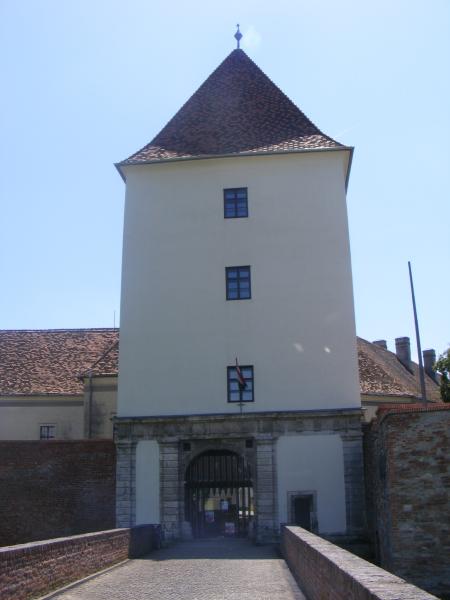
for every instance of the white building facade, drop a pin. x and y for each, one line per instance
(238, 405)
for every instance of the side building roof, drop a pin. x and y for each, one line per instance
(237, 110)
(107, 364)
(43, 362)
(382, 374)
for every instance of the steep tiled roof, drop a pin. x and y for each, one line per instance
(381, 373)
(49, 361)
(237, 110)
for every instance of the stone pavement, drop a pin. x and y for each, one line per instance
(222, 569)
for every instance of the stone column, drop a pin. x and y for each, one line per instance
(266, 490)
(170, 488)
(354, 481)
(126, 483)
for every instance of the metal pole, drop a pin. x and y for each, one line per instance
(419, 350)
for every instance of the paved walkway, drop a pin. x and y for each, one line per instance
(204, 570)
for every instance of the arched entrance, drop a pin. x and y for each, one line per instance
(219, 494)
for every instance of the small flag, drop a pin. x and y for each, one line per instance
(240, 378)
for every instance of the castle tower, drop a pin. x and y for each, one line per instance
(238, 404)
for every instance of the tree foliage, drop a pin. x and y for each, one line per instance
(443, 366)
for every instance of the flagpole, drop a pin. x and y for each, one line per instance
(419, 349)
(241, 384)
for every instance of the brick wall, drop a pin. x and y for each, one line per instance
(407, 459)
(31, 570)
(55, 488)
(323, 571)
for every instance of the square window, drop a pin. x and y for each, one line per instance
(47, 432)
(240, 389)
(235, 204)
(238, 283)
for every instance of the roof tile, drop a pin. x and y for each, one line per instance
(381, 373)
(237, 110)
(49, 361)
(107, 364)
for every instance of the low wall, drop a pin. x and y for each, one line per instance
(55, 488)
(34, 569)
(323, 570)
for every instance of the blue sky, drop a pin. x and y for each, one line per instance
(86, 83)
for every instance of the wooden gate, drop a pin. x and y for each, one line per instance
(219, 494)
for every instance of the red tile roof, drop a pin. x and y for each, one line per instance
(107, 364)
(237, 110)
(49, 361)
(382, 374)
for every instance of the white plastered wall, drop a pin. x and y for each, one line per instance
(100, 406)
(178, 331)
(313, 463)
(20, 418)
(147, 482)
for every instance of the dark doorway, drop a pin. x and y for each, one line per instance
(219, 495)
(302, 508)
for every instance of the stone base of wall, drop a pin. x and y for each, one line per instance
(251, 435)
(34, 569)
(323, 570)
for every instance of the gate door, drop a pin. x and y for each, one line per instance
(219, 494)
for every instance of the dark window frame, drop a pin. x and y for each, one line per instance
(231, 204)
(232, 370)
(47, 428)
(238, 279)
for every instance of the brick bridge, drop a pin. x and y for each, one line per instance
(218, 569)
(205, 570)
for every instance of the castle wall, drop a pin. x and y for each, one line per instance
(178, 331)
(407, 458)
(55, 488)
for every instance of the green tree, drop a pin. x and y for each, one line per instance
(443, 366)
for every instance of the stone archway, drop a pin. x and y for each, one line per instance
(219, 494)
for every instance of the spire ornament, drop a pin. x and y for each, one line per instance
(238, 36)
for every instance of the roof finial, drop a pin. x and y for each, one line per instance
(238, 36)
